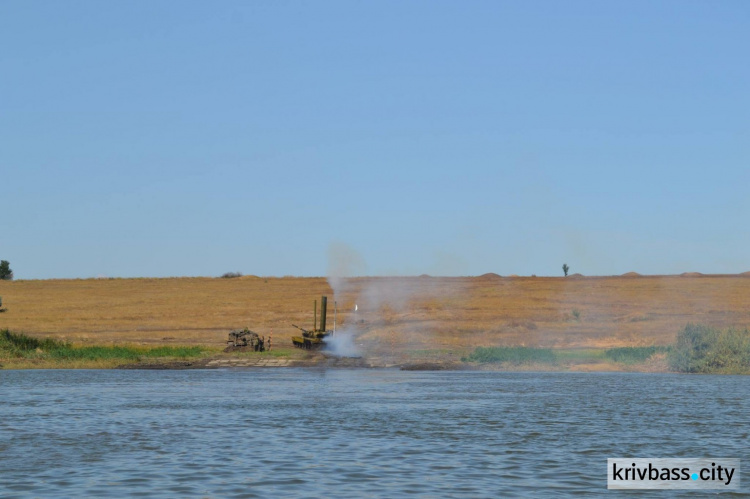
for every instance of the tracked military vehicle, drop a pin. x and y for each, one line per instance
(246, 338)
(313, 339)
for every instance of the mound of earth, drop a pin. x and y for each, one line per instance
(691, 274)
(490, 275)
(513, 275)
(575, 275)
(746, 274)
(631, 274)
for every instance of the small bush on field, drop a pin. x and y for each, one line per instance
(513, 355)
(633, 355)
(703, 349)
(230, 275)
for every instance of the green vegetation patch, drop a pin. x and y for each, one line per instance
(580, 355)
(15, 345)
(512, 355)
(124, 352)
(20, 345)
(526, 355)
(633, 355)
(703, 349)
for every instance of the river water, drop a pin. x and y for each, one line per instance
(352, 433)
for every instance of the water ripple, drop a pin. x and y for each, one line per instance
(353, 433)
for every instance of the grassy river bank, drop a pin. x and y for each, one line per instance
(699, 349)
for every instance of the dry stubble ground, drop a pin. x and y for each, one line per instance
(401, 316)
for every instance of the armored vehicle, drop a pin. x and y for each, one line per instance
(313, 339)
(246, 338)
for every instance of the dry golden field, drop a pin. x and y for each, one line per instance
(401, 313)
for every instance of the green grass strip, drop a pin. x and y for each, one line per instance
(22, 346)
(513, 355)
(633, 355)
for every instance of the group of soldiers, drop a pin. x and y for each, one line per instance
(245, 338)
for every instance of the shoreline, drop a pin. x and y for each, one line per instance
(21, 352)
(322, 361)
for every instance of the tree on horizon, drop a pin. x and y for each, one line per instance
(6, 273)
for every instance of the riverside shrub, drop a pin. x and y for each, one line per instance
(703, 349)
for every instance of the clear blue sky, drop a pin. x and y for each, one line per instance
(451, 138)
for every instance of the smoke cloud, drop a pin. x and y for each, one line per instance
(388, 307)
(342, 344)
(343, 261)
